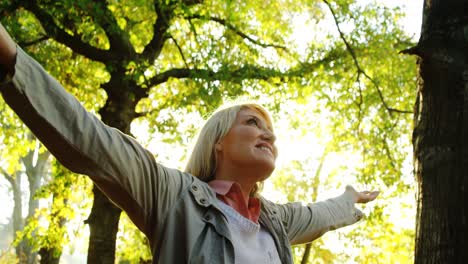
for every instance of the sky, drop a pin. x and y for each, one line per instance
(413, 9)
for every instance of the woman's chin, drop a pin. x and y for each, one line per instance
(267, 169)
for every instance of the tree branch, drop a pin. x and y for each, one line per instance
(360, 70)
(33, 42)
(415, 50)
(245, 72)
(164, 15)
(119, 39)
(42, 160)
(236, 30)
(74, 42)
(388, 152)
(180, 51)
(28, 161)
(7, 176)
(7, 8)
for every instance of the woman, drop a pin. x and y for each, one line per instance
(216, 216)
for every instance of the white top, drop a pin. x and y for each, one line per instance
(252, 242)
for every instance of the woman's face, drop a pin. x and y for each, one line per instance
(250, 143)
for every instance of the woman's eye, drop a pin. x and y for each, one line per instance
(252, 121)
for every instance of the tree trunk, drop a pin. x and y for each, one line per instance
(118, 112)
(441, 121)
(306, 255)
(22, 249)
(315, 185)
(36, 170)
(48, 256)
(103, 226)
(51, 255)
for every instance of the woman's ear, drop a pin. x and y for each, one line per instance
(218, 146)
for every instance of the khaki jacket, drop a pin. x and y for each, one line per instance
(176, 211)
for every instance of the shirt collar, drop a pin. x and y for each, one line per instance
(230, 193)
(221, 187)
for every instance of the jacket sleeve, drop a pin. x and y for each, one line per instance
(125, 171)
(304, 224)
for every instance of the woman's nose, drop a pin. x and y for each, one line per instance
(269, 135)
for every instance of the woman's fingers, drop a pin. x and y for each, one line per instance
(362, 197)
(367, 196)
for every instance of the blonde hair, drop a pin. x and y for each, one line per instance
(202, 162)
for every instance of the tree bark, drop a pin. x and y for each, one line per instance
(22, 249)
(51, 255)
(48, 256)
(36, 170)
(306, 255)
(103, 226)
(315, 185)
(118, 112)
(440, 129)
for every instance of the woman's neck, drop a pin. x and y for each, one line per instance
(246, 183)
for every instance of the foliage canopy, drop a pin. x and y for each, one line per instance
(329, 71)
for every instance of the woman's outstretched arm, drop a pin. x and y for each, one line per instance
(125, 171)
(7, 50)
(306, 223)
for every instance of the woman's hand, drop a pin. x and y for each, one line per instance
(7, 50)
(361, 197)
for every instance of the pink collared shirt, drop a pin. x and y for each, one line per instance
(231, 194)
